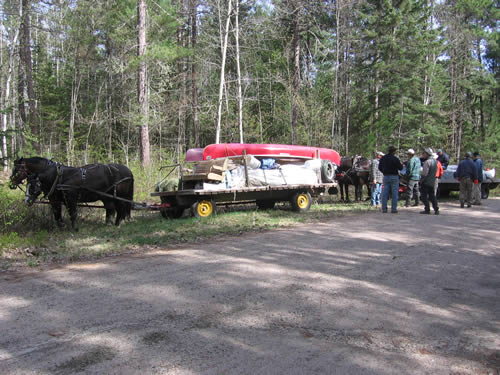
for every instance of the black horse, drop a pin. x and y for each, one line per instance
(113, 184)
(354, 171)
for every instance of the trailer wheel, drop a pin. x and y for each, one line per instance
(203, 208)
(327, 171)
(301, 201)
(173, 213)
(267, 204)
(485, 192)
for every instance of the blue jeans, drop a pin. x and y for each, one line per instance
(376, 192)
(391, 184)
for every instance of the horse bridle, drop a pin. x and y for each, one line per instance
(23, 173)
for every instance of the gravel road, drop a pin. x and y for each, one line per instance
(362, 294)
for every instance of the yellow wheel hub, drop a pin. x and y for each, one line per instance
(302, 201)
(205, 208)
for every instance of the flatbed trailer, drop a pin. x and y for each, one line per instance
(204, 202)
(448, 183)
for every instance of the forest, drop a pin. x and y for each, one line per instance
(141, 81)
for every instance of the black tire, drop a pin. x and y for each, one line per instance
(443, 193)
(203, 209)
(172, 213)
(267, 204)
(485, 191)
(327, 171)
(301, 201)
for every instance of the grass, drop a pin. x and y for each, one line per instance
(29, 236)
(148, 230)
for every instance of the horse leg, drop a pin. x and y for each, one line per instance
(73, 213)
(346, 187)
(110, 210)
(121, 212)
(56, 210)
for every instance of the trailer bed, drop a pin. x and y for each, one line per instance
(203, 202)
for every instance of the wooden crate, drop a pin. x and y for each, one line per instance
(209, 170)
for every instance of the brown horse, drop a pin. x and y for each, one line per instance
(354, 171)
(113, 184)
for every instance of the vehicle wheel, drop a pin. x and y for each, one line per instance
(203, 208)
(443, 194)
(267, 204)
(173, 213)
(485, 192)
(327, 171)
(301, 201)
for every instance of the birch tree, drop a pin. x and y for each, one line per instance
(223, 71)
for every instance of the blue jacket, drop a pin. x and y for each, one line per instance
(466, 168)
(479, 165)
(413, 168)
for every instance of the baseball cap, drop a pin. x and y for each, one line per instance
(411, 151)
(429, 151)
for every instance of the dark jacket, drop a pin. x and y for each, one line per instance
(479, 165)
(466, 168)
(390, 165)
(444, 158)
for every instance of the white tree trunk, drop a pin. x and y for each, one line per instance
(238, 69)
(222, 73)
(6, 97)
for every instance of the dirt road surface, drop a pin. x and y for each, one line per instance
(362, 294)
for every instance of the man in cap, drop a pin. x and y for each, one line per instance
(477, 187)
(443, 158)
(377, 179)
(466, 174)
(413, 176)
(390, 165)
(427, 182)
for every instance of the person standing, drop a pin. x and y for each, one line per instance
(413, 176)
(477, 187)
(377, 179)
(427, 182)
(390, 165)
(466, 174)
(443, 158)
(439, 174)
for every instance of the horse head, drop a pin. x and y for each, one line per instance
(33, 189)
(19, 173)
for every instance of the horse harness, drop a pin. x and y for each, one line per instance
(34, 179)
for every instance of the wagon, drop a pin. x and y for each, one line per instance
(203, 203)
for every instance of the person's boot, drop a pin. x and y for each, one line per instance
(462, 205)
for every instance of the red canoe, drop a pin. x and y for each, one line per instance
(222, 150)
